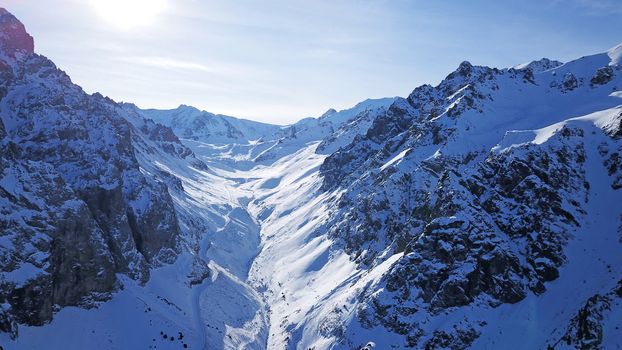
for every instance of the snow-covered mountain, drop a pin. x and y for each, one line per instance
(243, 144)
(495, 192)
(193, 124)
(77, 206)
(481, 213)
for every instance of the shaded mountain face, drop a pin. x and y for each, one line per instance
(76, 206)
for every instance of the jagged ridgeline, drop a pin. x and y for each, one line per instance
(480, 213)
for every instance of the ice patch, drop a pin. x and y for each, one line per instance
(395, 159)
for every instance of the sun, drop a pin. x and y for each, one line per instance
(127, 14)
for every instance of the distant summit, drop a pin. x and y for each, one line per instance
(329, 112)
(540, 65)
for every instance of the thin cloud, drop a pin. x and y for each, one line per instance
(170, 63)
(602, 7)
(222, 69)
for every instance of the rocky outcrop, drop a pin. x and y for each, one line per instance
(14, 40)
(603, 76)
(585, 330)
(54, 252)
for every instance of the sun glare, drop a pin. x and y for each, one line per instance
(127, 14)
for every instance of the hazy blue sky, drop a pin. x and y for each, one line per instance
(280, 60)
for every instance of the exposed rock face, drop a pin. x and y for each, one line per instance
(2, 131)
(52, 241)
(76, 208)
(570, 82)
(483, 239)
(14, 40)
(603, 76)
(585, 330)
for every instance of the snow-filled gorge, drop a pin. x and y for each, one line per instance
(257, 267)
(480, 213)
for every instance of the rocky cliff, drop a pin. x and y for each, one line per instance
(76, 206)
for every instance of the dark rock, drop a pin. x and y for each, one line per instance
(13, 36)
(570, 82)
(603, 76)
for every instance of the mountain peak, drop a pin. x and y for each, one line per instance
(540, 65)
(328, 112)
(14, 40)
(465, 68)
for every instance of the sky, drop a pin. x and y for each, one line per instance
(278, 61)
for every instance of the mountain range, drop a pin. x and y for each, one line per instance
(481, 213)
